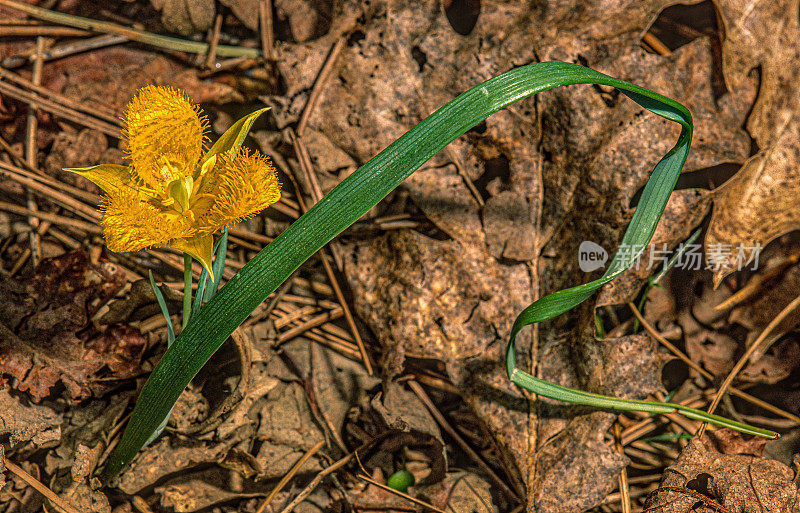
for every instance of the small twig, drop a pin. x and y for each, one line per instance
(31, 154)
(39, 487)
(349, 351)
(624, 487)
(18, 160)
(40, 30)
(238, 64)
(57, 109)
(289, 475)
(39, 177)
(266, 27)
(157, 40)
(311, 323)
(755, 346)
(655, 43)
(103, 112)
(28, 253)
(293, 314)
(67, 49)
(310, 487)
(212, 47)
(247, 234)
(18, 175)
(92, 228)
(320, 83)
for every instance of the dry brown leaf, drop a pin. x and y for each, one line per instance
(771, 297)
(39, 321)
(167, 456)
(758, 204)
(186, 16)
(703, 480)
(87, 424)
(111, 76)
(245, 10)
(287, 429)
(193, 492)
(21, 423)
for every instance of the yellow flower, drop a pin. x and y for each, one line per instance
(172, 194)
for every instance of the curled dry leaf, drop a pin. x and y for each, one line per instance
(758, 204)
(706, 480)
(770, 298)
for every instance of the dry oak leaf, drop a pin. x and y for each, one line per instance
(41, 316)
(703, 480)
(760, 202)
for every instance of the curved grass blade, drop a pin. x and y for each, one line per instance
(162, 304)
(572, 396)
(170, 339)
(359, 192)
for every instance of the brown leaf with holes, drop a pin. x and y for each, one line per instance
(704, 480)
(759, 203)
(40, 321)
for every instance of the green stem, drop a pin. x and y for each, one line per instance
(187, 289)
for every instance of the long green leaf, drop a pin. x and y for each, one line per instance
(162, 304)
(360, 192)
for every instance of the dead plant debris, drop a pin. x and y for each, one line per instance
(435, 274)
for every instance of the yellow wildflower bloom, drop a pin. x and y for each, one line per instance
(171, 194)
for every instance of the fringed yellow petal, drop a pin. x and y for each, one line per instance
(108, 177)
(241, 185)
(130, 224)
(164, 133)
(201, 247)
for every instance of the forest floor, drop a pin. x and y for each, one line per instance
(385, 351)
